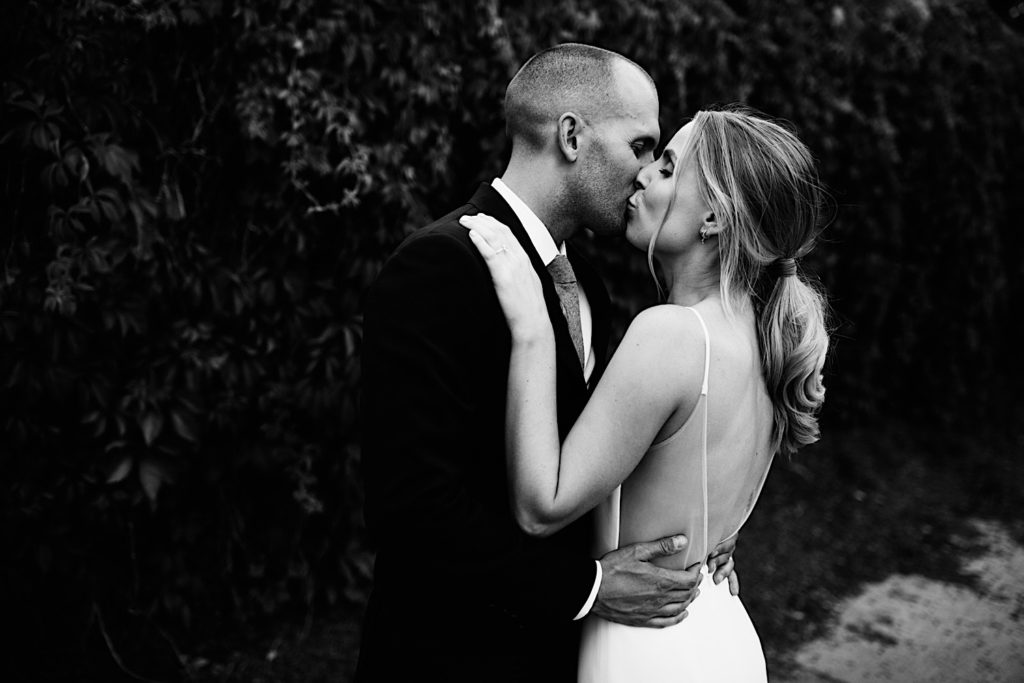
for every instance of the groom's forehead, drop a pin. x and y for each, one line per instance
(634, 86)
(637, 103)
(641, 128)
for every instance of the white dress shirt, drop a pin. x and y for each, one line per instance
(546, 248)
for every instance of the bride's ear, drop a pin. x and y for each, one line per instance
(569, 127)
(709, 226)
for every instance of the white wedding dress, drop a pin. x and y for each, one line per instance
(681, 486)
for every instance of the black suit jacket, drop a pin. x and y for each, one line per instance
(460, 592)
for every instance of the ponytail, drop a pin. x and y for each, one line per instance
(794, 342)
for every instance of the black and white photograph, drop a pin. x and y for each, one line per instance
(572, 341)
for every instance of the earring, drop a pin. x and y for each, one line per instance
(703, 235)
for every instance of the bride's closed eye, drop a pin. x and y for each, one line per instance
(668, 163)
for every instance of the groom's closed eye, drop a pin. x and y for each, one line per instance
(643, 146)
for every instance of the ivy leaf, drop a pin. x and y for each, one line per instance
(173, 202)
(152, 475)
(152, 424)
(120, 470)
(54, 176)
(77, 163)
(43, 134)
(185, 426)
(117, 161)
(110, 204)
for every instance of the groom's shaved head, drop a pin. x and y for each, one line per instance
(567, 77)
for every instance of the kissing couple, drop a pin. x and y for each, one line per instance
(542, 512)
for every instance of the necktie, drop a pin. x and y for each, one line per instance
(568, 296)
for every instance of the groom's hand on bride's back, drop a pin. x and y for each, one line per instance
(638, 593)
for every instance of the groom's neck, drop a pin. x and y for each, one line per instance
(541, 190)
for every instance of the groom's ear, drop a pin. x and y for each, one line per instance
(569, 127)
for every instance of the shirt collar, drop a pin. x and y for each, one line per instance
(542, 240)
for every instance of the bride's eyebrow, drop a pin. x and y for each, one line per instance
(670, 155)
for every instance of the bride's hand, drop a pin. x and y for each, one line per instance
(515, 281)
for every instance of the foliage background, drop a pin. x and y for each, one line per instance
(196, 192)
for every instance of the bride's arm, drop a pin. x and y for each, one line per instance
(554, 484)
(638, 393)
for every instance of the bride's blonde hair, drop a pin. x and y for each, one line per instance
(761, 183)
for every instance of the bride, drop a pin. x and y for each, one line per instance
(701, 393)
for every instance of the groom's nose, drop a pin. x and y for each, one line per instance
(643, 178)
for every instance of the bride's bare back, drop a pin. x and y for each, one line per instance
(704, 489)
(681, 476)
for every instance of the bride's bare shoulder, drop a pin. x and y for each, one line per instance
(668, 334)
(667, 323)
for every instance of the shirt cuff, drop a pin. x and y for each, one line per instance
(593, 594)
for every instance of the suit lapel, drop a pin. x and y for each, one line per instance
(488, 201)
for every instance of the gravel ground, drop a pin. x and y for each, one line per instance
(908, 628)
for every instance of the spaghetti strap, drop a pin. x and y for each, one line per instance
(704, 430)
(707, 350)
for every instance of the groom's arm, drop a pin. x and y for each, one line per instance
(435, 370)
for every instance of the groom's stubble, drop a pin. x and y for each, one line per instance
(622, 141)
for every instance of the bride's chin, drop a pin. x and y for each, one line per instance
(635, 236)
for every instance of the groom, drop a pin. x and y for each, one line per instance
(460, 593)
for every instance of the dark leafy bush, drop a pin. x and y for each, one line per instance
(196, 192)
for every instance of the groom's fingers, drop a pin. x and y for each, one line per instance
(677, 603)
(667, 615)
(724, 571)
(663, 547)
(734, 584)
(681, 579)
(662, 622)
(678, 597)
(680, 590)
